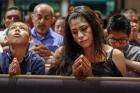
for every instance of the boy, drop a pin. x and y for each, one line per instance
(17, 59)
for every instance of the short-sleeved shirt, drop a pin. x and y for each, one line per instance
(32, 63)
(52, 39)
(132, 52)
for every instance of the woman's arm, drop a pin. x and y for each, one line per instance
(119, 60)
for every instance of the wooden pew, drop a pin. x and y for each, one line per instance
(65, 84)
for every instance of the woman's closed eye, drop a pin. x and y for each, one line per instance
(83, 28)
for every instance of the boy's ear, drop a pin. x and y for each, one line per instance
(6, 40)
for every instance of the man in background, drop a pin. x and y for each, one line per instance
(45, 40)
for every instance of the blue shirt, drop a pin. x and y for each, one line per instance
(52, 39)
(32, 63)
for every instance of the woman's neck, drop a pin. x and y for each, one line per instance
(18, 51)
(90, 54)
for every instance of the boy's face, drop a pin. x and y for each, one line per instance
(18, 34)
(118, 40)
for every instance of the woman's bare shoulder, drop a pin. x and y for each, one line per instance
(118, 59)
(116, 52)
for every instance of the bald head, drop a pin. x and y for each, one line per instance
(44, 8)
(42, 18)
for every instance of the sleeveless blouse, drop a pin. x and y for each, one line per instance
(106, 68)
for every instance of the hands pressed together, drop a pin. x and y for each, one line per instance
(82, 67)
(14, 67)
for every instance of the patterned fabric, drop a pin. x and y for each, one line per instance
(132, 52)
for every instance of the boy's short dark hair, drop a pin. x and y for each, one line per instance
(119, 23)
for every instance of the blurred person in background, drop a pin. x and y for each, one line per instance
(59, 25)
(28, 18)
(57, 14)
(133, 17)
(45, 40)
(12, 14)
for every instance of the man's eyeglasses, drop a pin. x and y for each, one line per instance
(120, 41)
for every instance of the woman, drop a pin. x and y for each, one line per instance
(84, 51)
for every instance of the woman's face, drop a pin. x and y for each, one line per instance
(81, 32)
